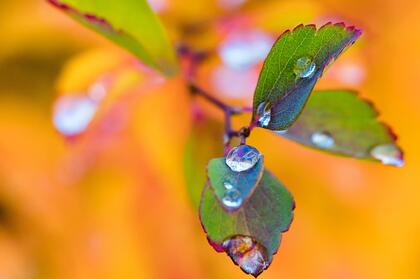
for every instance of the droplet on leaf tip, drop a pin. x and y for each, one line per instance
(304, 67)
(322, 140)
(388, 154)
(242, 158)
(264, 114)
(247, 253)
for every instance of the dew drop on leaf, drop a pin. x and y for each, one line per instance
(322, 140)
(228, 185)
(264, 114)
(304, 67)
(281, 132)
(247, 253)
(232, 199)
(388, 154)
(242, 158)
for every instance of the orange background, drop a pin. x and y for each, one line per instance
(113, 203)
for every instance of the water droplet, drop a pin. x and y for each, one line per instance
(243, 49)
(281, 132)
(304, 67)
(242, 158)
(228, 185)
(264, 114)
(247, 253)
(72, 114)
(388, 154)
(322, 139)
(253, 262)
(232, 199)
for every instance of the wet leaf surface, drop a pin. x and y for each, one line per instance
(252, 234)
(294, 64)
(132, 25)
(223, 179)
(340, 122)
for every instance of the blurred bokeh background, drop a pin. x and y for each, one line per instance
(93, 166)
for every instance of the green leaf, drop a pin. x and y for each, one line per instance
(204, 142)
(253, 231)
(291, 69)
(129, 23)
(338, 121)
(219, 174)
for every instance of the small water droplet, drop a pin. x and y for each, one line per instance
(281, 132)
(72, 114)
(322, 140)
(228, 185)
(388, 154)
(232, 199)
(247, 253)
(242, 158)
(264, 114)
(304, 67)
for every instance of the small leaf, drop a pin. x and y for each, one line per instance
(250, 235)
(294, 64)
(338, 121)
(223, 179)
(130, 23)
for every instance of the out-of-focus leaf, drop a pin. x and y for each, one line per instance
(250, 235)
(220, 175)
(292, 67)
(338, 121)
(204, 142)
(131, 24)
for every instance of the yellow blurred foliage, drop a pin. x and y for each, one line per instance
(112, 202)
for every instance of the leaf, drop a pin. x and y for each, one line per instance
(204, 141)
(219, 174)
(291, 69)
(349, 121)
(131, 24)
(257, 224)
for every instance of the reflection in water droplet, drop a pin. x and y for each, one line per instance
(304, 67)
(72, 114)
(322, 140)
(264, 114)
(228, 185)
(247, 253)
(232, 199)
(242, 158)
(388, 154)
(243, 49)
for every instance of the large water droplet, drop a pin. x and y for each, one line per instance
(304, 67)
(322, 140)
(72, 114)
(247, 253)
(388, 154)
(232, 199)
(242, 158)
(264, 114)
